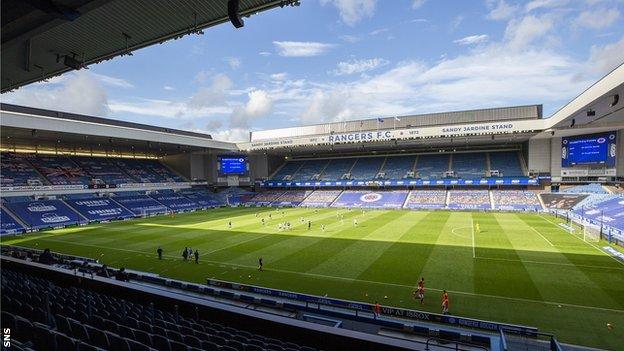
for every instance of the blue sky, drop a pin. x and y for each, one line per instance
(334, 60)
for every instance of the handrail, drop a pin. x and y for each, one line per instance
(457, 344)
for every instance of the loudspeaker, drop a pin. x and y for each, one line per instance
(616, 99)
(235, 18)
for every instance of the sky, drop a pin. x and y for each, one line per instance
(337, 60)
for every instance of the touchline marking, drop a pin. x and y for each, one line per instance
(548, 263)
(474, 253)
(543, 237)
(583, 241)
(362, 280)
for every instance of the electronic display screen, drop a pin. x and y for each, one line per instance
(588, 149)
(233, 164)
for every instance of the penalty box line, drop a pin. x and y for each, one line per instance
(550, 303)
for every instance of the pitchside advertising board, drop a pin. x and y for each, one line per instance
(592, 149)
(393, 199)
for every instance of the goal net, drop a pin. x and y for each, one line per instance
(591, 232)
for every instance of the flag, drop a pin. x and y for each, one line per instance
(397, 119)
(380, 120)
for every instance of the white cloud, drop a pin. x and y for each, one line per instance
(214, 124)
(416, 4)
(78, 92)
(234, 62)
(264, 53)
(379, 31)
(279, 76)
(301, 48)
(358, 66)
(502, 10)
(212, 95)
(168, 88)
(352, 11)
(472, 39)
(457, 21)
(597, 18)
(350, 38)
(113, 81)
(326, 106)
(521, 33)
(606, 58)
(537, 4)
(258, 105)
(232, 134)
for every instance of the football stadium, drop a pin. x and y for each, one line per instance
(497, 228)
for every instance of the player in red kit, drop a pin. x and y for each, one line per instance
(445, 303)
(420, 291)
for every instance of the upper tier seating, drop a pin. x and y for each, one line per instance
(366, 168)
(426, 199)
(266, 197)
(592, 188)
(469, 165)
(507, 163)
(432, 166)
(515, 200)
(337, 168)
(162, 171)
(86, 320)
(103, 169)
(469, 199)
(60, 170)
(8, 224)
(396, 167)
(310, 169)
(321, 198)
(17, 171)
(141, 204)
(289, 169)
(45, 213)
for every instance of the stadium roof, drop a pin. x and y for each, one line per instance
(37, 36)
(27, 127)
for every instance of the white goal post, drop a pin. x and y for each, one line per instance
(591, 232)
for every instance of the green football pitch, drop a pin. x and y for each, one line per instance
(517, 268)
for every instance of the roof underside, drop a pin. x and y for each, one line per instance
(37, 35)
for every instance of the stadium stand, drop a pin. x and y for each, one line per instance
(397, 167)
(82, 319)
(204, 198)
(509, 200)
(432, 166)
(8, 224)
(45, 213)
(507, 163)
(336, 168)
(469, 165)
(99, 209)
(608, 212)
(60, 170)
(367, 168)
(561, 201)
(371, 199)
(265, 198)
(287, 170)
(163, 172)
(321, 198)
(291, 198)
(17, 171)
(141, 205)
(469, 199)
(175, 201)
(103, 169)
(592, 188)
(310, 169)
(431, 199)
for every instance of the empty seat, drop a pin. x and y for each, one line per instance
(161, 343)
(177, 346)
(64, 342)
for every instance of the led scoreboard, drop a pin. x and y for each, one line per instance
(592, 149)
(232, 165)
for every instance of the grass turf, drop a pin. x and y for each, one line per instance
(519, 268)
